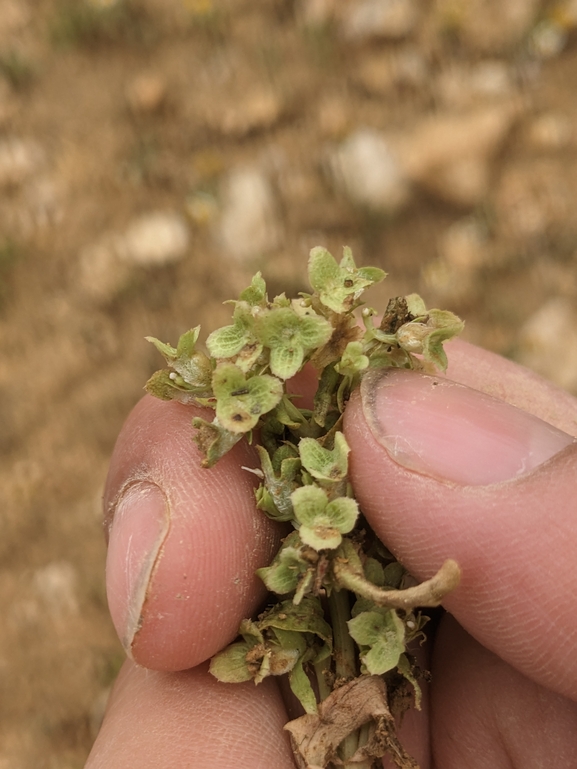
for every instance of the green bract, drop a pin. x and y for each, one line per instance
(331, 560)
(339, 286)
(322, 464)
(240, 402)
(353, 360)
(289, 336)
(228, 341)
(190, 370)
(322, 523)
(381, 636)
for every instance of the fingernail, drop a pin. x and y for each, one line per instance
(139, 528)
(446, 430)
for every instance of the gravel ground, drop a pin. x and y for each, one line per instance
(154, 154)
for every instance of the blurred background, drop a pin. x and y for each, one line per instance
(154, 154)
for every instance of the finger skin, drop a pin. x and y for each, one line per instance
(501, 378)
(202, 583)
(158, 720)
(514, 541)
(486, 715)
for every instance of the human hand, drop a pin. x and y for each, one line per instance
(470, 478)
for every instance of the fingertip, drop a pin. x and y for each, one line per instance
(157, 720)
(184, 541)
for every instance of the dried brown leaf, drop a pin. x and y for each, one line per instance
(315, 738)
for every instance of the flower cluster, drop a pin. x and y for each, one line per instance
(343, 610)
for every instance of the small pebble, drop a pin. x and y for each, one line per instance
(249, 225)
(155, 239)
(365, 167)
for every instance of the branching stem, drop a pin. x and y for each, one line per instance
(428, 593)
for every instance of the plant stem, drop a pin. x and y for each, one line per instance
(324, 689)
(428, 593)
(344, 656)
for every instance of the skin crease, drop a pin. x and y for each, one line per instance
(505, 703)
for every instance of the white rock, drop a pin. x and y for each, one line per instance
(390, 19)
(101, 272)
(55, 584)
(19, 160)
(151, 240)
(366, 168)
(463, 245)
(248, 225)
(548, 342)
(155, 239)
(450, 154)
(491, 79)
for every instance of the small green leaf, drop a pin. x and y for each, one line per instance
(287, 568)
(240, 402)
(228, 341)
(161, 386)
(168, 386)
(251, 632)
(230, 665)
(324, 464)
(187, 342)
(353, 360)
(381, 637)
(166, 350)
(309, 502)
(307, 617)
(371, 274)
(339, 286)
(192, 370)
(427, 335)
(275, 497)
(322, 523)
(415, 305)
(255, 294)
(288, 414)
(446, 325)
(393, 575)
(289, 336)
(300, 685)
(325, 395)
(323, 269)
(342, 513)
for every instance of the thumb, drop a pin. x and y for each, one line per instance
(442, 470)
